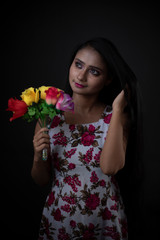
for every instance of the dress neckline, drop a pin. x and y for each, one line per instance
(107, 109)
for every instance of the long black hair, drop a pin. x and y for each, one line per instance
(122, 78)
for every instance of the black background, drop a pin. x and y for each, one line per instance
(38, 40)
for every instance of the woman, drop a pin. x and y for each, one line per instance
(89, 147)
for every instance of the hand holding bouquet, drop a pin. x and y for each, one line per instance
(40, 104)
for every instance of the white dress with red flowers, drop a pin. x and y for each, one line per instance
(83, 203)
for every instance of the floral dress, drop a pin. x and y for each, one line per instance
(83, 202)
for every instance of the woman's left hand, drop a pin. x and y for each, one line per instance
(119, 102)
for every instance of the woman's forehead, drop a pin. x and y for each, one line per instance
(90, 56)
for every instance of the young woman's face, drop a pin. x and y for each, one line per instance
(88, 72)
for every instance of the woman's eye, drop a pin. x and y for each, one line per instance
(94, 72)
(78, 65)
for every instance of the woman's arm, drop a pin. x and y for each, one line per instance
(41, 170)
(114, 150)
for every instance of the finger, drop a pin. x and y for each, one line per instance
(40, 135)
(43, 130)
(41, 147)
(42, 141)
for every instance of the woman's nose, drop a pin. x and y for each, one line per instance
(81, 76)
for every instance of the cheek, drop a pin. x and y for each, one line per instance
(97, 83)
(71, 73)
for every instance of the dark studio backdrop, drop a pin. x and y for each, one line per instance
(38, 40)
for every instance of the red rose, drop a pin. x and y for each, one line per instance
(18, 107)
(92, 201)
(87, 139)
(57, 215)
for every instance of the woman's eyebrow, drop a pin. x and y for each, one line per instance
(89, 65)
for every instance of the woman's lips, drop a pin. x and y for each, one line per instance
(79, 85)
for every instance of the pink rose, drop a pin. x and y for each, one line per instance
(87, 139)
(65, 103)
(92, 201)
(52, 95)
(107, 118)
(57, 215)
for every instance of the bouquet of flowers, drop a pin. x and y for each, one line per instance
(40, 104)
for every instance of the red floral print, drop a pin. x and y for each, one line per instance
(72, 127)
(60, 139)
(73, 182)
(83, 203)
(55, 122)
(69, 154)
(71, 166)
(72, 224)
(63, 235)
(87, 139)
(88, 156)
(51, 199)
(91, 128)
(94, 177)
(66, 208)
(70, 200)
(92, 201)
(102, 183)
(106, 214)
(97, 157)
(107, 118)
(57, 215)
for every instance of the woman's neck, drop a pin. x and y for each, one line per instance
(85, 104)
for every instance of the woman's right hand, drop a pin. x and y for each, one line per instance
(41, 141)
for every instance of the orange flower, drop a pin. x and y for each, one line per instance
(18, 107)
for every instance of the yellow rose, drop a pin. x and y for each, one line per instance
(30, 95)
(42, 90)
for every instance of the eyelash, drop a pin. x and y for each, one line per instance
(92, 70)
